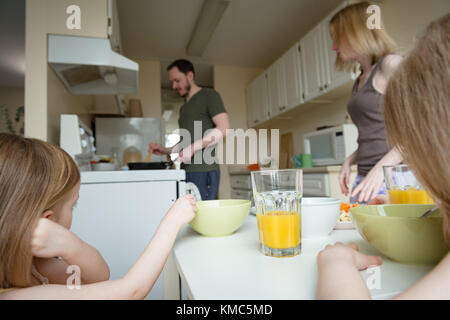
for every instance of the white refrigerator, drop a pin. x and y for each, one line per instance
(118, 213)
(120, 133)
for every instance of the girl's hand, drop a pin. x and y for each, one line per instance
(348, 253)
(50, 239)
(182, 211)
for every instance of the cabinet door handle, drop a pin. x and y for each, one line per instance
(325, 86)
(321, 88)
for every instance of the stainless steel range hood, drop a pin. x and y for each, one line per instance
(89, 66)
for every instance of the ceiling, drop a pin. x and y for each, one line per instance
(12, 40)
(251, 33)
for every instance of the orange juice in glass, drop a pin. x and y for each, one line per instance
(277, 195)
(403, 187)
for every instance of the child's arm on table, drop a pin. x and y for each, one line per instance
(338, 272)
(141, 277)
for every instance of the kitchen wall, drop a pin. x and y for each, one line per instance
(231, 82)
(11, 98)
(45, 99)
(406, 19)
(61, 101)
(149, 88)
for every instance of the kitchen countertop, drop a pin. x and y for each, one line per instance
(132, 175)
(231, 267)
(242, 170)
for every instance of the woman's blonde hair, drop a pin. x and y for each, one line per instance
(34, 177)
(349, 30)
(417, 113)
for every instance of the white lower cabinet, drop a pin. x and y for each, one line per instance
(120, 219)
(241, 187)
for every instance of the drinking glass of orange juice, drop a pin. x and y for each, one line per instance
(277, 195)
(403, 187)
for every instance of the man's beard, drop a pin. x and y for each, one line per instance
(187, 88)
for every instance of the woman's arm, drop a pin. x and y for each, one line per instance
(344, 174)
(371, 184)
(338, 272)
(387, 69)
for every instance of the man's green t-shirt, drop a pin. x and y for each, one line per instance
(202, 106)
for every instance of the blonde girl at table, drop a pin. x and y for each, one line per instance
(39, 186)
(373, 50)
(417, 114)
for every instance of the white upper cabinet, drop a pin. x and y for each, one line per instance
(310, 48)
(303, 73)
(257, 101)
(276, 88)
(333, 78)
(292, 67)
(113, 26)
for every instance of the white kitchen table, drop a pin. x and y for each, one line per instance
(232, 267)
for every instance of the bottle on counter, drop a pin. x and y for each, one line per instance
(115, 160)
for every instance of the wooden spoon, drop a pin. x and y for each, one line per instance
(149, 156)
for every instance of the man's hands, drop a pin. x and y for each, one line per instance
(159, 149)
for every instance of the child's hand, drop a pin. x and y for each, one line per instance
(340, 252)
(182, 211)
(51, 239)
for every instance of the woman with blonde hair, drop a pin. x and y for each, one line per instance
(418, 121)
(355, 43)
(39, 186)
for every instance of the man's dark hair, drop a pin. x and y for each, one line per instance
(183, 65)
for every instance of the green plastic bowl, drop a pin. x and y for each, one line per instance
(397, 232)
(217, 218)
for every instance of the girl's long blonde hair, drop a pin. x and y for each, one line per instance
(34, 177)
(349, 29)
(417, 113)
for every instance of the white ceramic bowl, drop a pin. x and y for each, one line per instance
(319, 216)
(103, 166)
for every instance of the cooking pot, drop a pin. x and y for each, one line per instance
(150, 165)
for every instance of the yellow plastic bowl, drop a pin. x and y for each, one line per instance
(397, 232)
(217, 218)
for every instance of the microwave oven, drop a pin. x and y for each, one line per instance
(331, 146)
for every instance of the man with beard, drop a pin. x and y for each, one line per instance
(204, 105)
